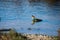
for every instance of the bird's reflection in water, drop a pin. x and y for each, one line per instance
(34, 20)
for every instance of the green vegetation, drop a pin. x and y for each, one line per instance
(12, 35)
(55, 37)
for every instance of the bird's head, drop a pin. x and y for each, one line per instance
(33, 17)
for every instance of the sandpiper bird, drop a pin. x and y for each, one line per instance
(34, 19)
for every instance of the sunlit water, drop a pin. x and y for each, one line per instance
(19, 16)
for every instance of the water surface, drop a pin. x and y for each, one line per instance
(18, 15)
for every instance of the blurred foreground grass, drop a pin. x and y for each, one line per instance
(12, 35)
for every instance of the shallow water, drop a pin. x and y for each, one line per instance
(18, 15)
